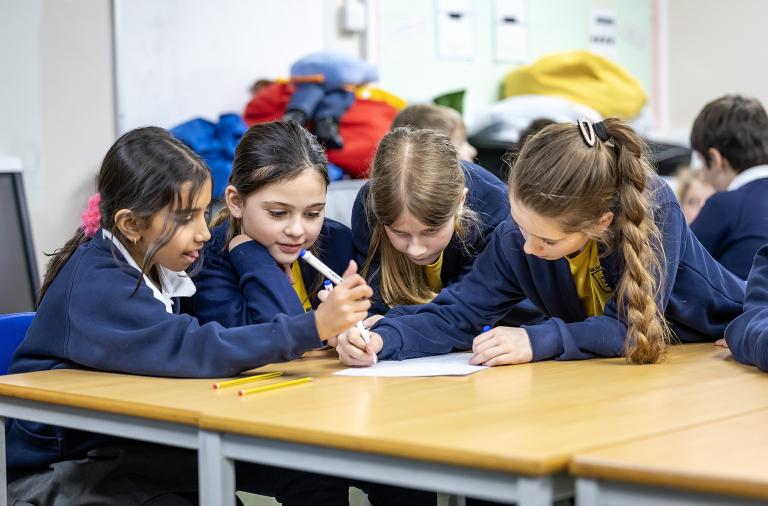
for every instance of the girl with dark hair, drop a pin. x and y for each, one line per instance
(275, 205)
(107, 303)
(597, 242)
(251, 272)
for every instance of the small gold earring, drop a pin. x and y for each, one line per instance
(135, 240)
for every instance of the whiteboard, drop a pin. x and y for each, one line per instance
(179, 59)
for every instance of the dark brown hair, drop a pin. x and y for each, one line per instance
(143, 171)
(737, 127)
(270, 153)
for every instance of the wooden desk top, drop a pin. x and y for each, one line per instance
(727, 456)
(529, 418)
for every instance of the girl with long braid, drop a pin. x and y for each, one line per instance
(597, 242)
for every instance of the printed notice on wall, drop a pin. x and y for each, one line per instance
(510, 31)
(602, 31)
(455, 29)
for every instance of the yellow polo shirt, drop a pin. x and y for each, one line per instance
(433, 274)
(588, 277)
(298, 286)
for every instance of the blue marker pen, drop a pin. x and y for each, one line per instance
(328, 285)
(326, 271)
(486, 328)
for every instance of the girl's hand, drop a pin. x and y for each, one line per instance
(354, 352)
(721, 342)
(502, 346)
(367, 323)
(346, 305)
(237, 241)
(371, 320)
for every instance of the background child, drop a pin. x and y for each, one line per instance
(441, 119)
(107, 303)
(275, 203)
(731, 136)
(747, 335)
(418, 224)
(692, 192)
(597, 242)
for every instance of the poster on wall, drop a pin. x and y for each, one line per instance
(602, 30)
(510, 31)
(455, 29)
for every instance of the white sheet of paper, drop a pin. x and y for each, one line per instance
(451, 364)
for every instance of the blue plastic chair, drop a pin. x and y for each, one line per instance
(13, 327)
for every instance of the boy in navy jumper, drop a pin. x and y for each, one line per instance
(731, 136)
(109, 302)
(597, 242)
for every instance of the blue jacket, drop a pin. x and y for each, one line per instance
(733, 225)
(215, 143)
(486, 195)
(747, 335)
(246, 286)
(698, 299)
(90, 318)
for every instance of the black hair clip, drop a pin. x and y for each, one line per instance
(601, 132)
(587, 132)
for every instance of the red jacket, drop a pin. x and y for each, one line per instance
(361, 127)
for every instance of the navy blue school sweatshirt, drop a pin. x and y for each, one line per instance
(699, 298)
(246, 286)
(93, 316)
(747, 335)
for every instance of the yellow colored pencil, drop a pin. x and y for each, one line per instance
(274, 386)
(248, 379)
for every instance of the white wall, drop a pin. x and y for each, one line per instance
(56, 98)
(714, 48)
(181, 59)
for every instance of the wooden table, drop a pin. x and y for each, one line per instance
(720, 462)
(505, 434)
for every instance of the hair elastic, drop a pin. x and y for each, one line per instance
(601, 131)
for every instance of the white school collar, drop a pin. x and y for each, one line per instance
(749, 175)
(172, 283)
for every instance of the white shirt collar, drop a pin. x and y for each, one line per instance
(749, 175)
(172, 283)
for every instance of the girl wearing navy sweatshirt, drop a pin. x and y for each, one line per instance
(597, 242)
(108, 302)
(251, 272)
(275, 205)
(418, 224)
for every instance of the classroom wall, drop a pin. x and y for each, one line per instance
(408, 45)
(57, 103)
(714, 48)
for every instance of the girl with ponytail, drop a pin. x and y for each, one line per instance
(597, 242)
